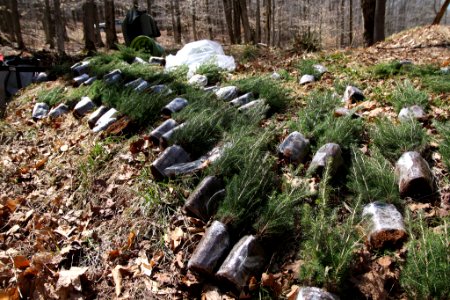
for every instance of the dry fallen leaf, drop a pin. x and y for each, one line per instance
(71, 278)
(21, 262)
(117, 277)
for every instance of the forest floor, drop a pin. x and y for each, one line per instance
(81, 216)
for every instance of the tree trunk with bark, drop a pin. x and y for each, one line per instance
(88, 25)
(49, 25)
(342, 25)
(268, 18)
(110, 26)
(245, 21)
(441, 13)
(380, 13)
(258, 22)
(227, 7)
(368, 10)
(149, 6)
(17, 32)
(194, 20)
(98, 36)
(350, 25)
(208, 20)
(237, 21)
(59, 29)
(178, 21)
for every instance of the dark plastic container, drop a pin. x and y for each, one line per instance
(174, 106)
(198, 202)
(330, 152)
(294, 148)
(244, 99)
(211, 250)
(245, 259)
(77, 81)
(171, 156)
(166, 138)
(158, 132)
(96, 115)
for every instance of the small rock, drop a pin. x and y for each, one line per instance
(58, 111)
(320, 69)
(142, 87)
(199, 80)
(157, 61)
(405, 62)
(227, 93)
(445, 70)
(307, 79)
(174, 106)
(93, 118)
(275, 76)
(83, 107)
(384, 225)
(313, 293)
(352, 94)
(412, 112)
(105, 120)
(40, 111)
(244, 99)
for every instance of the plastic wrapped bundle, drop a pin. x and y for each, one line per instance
(412, 112)
(158, 132)
(244, 99)
(77, 81)
(105, 120)
(174, 106)
(186, 168)
(415, 177)
(113, 77)
(90, 81)
(135, 83)
(244, 260)
(328, 153)
(40, 111)
(171, 156)
(313, 293)
(227, 93)
(305, 79)
(198, 80)
(294, 148)
(384, 225)
(167, 137)
(199, 202)
(84, 106)
(58, 111)
(211, 250)
(81, 67)
(352, 94)
(93, 118)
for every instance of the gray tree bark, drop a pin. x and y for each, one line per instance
(111, 36)
(88, 25)
(380, 13)
(59, 29)
(17, 32)
(229, 19)
(441, 12)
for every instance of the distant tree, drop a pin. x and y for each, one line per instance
(110, 26)
(17, 32)
(149, 6)
(258, 22)
(374, 19)
(441, 12)
(227, 7)
(245, 22)
(98, 36)
(88, 25)
(49, 25)
(59, 28)
(268, 18)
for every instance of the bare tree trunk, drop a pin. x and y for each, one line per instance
(149, 6)
(178, 21)
(193, 18)
(350, 25)
(268, 18)
(380, 13)
(258, 21)
(88, 25)
(273, 23)
(16, 24)
(368, 10)
(229, 19)
(245, 22)
(98, 36)
(208, 20)
(110, 26)
(59, 29)
(237, 21)
(49, 25)
(342, 25)
(441, 12)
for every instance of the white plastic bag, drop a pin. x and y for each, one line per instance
(198, 53)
